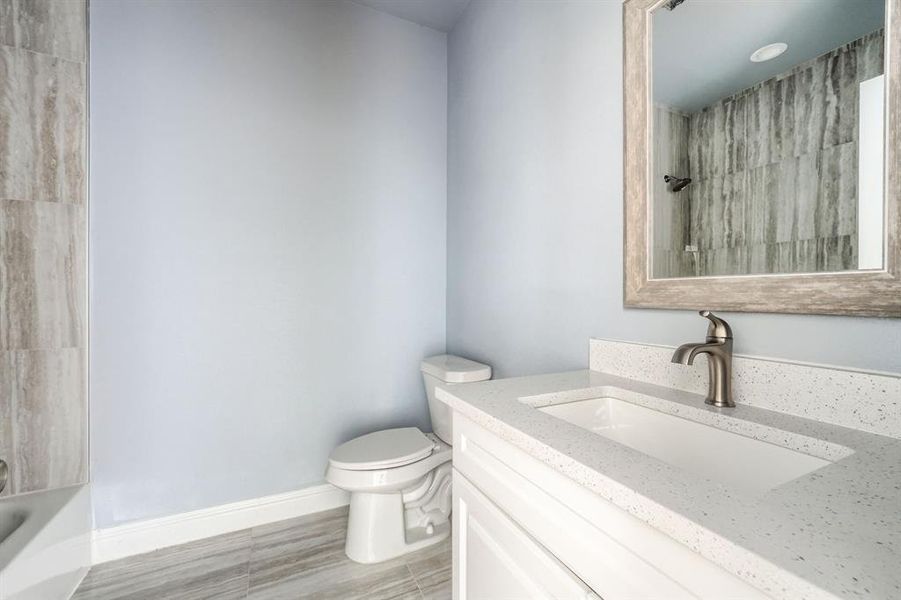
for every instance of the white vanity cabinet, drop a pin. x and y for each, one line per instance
(496, 559)
(524, 530)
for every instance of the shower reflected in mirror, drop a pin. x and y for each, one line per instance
(767, 137)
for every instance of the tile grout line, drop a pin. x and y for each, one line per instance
(45, 201)
(415, 579)
(73, 61)
(248, 562)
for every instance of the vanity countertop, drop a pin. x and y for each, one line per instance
(835, 532)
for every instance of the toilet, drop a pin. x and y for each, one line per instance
(400, 479)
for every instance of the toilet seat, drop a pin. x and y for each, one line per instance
(386, 449)
(390, 479)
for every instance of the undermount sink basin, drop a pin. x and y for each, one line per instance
(749, 464)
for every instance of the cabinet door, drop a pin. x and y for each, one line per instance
(496, 560)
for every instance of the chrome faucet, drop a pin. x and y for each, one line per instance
(718, 349)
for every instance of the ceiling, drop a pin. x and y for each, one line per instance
(437, 14)
(702, 49)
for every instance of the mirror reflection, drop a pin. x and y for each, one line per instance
(767, 150)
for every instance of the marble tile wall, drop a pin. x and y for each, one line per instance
(43, 246)
(670, 227)
(50, 27)
(774, 172)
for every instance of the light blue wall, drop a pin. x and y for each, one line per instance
(268, 242)
(535, 204)
(268, 231)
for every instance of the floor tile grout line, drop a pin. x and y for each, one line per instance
(248, 562)
(414, 578)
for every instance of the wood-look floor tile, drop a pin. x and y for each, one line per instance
(337, 578)
(295, 559)
(215, 567)
(431, 565)
(304, 558)
(213, 586)
(297, 545)
(438, 591)
(432, 570)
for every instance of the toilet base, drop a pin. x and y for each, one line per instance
(384, 526)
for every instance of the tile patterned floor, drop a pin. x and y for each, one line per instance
(300, 558)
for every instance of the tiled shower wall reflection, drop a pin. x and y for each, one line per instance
(43, 400)
(774, 173)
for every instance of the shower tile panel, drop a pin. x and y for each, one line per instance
(871, 56)
(805, 115)
(837, 253)
(49, 419)
(674, 263)
(836, 211)
(42, 275)
(43, 258)
(804, 256)
(719, 210)
(7, 382)
(804, 174)
(762, 186)
(811, 107)
(48, 27)
(760, 142)
(670, 223)
(720, 261)
(718, 138)
(794, 182)
(783, 257)
(841, 96)
(42, 127)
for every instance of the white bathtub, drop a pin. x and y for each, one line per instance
(45, 545)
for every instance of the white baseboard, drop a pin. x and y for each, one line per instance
(145, 536)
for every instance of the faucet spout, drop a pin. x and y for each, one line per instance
(686, 353)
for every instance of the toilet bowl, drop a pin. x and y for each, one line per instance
(400, 479)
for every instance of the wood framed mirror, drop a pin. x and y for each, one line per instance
(762, 150)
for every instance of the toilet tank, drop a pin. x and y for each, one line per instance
(447, 370)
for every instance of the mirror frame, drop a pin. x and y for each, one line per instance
(862, 293)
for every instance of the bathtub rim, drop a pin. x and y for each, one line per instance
(40, 506)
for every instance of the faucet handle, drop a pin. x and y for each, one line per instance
(718, 328)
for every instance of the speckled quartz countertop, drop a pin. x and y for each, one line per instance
(835, 532)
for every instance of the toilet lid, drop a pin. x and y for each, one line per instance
(382, 450)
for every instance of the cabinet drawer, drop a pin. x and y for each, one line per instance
(616, 554)
(495, 559)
